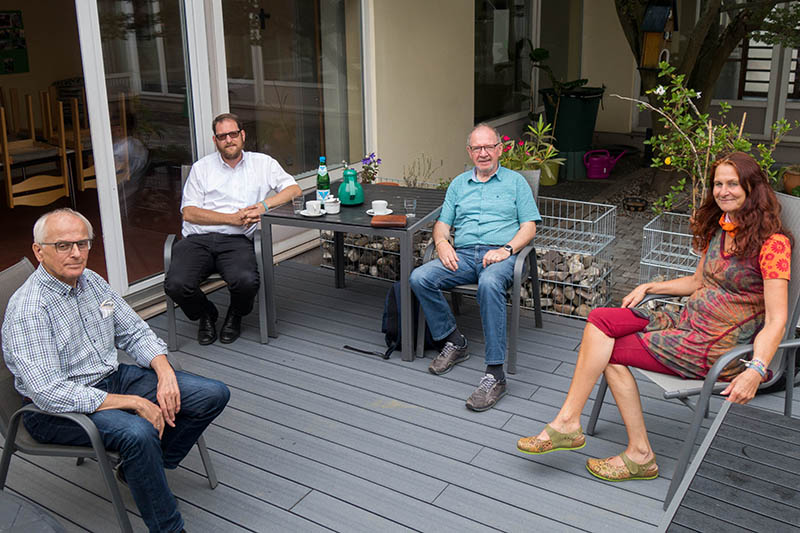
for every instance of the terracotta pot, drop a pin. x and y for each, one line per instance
(791, 180)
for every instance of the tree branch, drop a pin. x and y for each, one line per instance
(697, 37)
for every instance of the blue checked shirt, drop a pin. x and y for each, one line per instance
(489, 212)
(58, 341)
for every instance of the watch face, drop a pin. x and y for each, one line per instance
(508, 248)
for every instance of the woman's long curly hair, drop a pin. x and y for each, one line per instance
(757, 219)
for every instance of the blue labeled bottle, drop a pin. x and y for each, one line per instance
(323, 181)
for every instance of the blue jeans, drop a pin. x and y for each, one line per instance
(144, 456)
(428, 281)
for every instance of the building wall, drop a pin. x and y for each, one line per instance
(607, 60)
(424, 78)
(51, 35)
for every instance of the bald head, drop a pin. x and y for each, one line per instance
(41, 226)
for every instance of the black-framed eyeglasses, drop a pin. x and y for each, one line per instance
(231, 134)
(65, 247)
(487, 147)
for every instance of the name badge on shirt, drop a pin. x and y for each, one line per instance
(107, 308)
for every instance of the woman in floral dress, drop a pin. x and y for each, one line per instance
(737, 295)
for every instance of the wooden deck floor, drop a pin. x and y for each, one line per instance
(317, 438)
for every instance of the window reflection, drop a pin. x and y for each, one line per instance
(294, 77)
(147, 87)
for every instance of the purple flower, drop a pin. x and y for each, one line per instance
(379, 161)
(365, 161)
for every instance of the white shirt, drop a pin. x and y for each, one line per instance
(215, 186)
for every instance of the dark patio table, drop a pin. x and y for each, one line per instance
(744, 477)
(354, 219)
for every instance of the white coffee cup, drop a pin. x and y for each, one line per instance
(379, 207)
(332, 205)
(314, 207)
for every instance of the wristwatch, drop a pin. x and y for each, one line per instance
(508, 248)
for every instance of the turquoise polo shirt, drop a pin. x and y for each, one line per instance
(488, 212)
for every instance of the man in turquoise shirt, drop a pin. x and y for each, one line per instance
(494, 216)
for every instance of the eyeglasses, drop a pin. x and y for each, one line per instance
(488, 148)
(231, 134)
(65, 247)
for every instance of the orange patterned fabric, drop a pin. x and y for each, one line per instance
(775, 258)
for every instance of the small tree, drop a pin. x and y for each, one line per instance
(691, 140)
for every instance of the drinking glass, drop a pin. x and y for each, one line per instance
(410, 205)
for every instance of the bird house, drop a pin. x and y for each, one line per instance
(660, 21)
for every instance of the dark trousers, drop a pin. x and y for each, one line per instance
(144, 455)
(198, 256)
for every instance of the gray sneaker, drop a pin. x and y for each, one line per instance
(449, 357)
(487, 394)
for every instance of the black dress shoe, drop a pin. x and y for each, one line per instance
(231, 328)
(207, 331)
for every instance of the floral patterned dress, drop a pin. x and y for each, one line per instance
(727, 310)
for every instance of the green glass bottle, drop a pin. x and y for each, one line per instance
(323, 181)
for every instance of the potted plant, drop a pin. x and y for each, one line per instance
(791, 179)
(535, 158)
(572, 110)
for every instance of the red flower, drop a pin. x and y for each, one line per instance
(772, 274)
(520, 143)
(506, 138)
(778, 246)
(782, 265)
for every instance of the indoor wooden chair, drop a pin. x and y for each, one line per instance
(40, 189)
(85, 175)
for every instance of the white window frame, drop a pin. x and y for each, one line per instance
(100, 125)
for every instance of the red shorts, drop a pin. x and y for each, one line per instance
(622, 325)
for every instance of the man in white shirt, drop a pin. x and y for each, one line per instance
(223, 199)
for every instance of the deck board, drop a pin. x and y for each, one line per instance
(318, 438)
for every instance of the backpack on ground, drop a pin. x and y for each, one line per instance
(391, 322)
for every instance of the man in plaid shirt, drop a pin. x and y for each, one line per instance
(60, 337)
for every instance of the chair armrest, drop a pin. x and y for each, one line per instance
(649, 297)
(168, 244)
(80, 419)
(428, 254)
(519, 262)
(723, 361)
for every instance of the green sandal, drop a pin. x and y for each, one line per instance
(603, 469)
(557, 441)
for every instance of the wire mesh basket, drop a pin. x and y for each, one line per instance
(667, 254)
(667, 242)
(573, 226)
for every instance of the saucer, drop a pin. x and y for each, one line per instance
(372, 213)
(307, 213)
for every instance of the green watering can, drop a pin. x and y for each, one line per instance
(350, 191)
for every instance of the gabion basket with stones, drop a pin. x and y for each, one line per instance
(373, 256)
(575, 266)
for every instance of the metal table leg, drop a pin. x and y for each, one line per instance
(338, 254)
(407, 315)
(268, 284)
